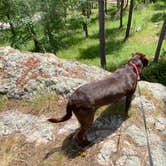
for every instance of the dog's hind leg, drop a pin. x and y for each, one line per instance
(128, 102)
(85, 118)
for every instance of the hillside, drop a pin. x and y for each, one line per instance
(36, 86)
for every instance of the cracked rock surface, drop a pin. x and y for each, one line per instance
(116, 141)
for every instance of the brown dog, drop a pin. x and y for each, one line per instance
(87, 98)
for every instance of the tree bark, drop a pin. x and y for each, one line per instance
(153, 1)
(102, 33)
(129, 19)
(126, 5)
(84, 25)
(105, 3)
(118, 4)
(161, 38)
(121, 14)
(38, 45)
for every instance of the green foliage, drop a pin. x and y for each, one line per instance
(39, 21)
(59, 29)
(75, 22)
(52, 23)
(156, 72)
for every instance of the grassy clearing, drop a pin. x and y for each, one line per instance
(146, 25)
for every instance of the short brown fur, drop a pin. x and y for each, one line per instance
(87, 98)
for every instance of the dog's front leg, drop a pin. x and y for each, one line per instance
(128, 102)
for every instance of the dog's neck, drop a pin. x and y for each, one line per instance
(136, 68)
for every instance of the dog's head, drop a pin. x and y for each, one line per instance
(139, 59)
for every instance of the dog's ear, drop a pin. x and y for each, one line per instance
(144, 61)
(132, 54)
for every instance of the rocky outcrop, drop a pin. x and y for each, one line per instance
(23, 74)
(117, 142)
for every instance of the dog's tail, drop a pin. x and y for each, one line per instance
(65, 117)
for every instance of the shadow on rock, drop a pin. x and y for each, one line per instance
(105, 125)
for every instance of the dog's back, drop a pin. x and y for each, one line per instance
(120, 83)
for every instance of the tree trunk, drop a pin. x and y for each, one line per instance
(118, 4)
(129, 19)
(89, 11)
(48, 33)
(126, 5)
(105, 2)
(121, 14)
(38, 45)
(13, 32)
(102, 33)
(84, 25)
(161, 38)
(153, 1)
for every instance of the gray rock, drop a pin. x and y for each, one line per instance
(142, 101)
(158, 90)
(34, 128)
(139, 137)
(128, 149)
(30, 69)
(160, 124)
(158, 155)
(121, 161)
(1, 65)
(133, 161)
(104, 157)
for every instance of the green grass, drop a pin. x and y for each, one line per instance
(147, 20)
(156, 72)
(146, 25)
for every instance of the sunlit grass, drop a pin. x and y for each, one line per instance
(143, 38)
(145, 29)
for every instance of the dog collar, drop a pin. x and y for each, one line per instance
(136, 69)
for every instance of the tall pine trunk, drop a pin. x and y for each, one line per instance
(118, 3)
(84, 24)
(126, 5)
(161, 38)
(105, 3)
(121, 14)
(129, 19)
(102, 33)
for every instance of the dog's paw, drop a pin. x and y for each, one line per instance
(83, 143)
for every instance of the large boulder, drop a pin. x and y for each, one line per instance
(117, 142)
(22, 74)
